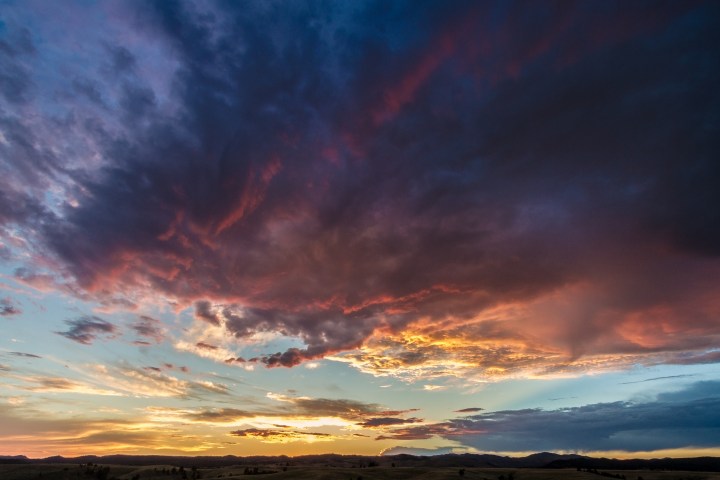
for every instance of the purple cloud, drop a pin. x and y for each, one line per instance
(87, 329)
(332, 182)
(7, 308)
(148, 328)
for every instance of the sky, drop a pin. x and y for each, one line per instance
(299, 227)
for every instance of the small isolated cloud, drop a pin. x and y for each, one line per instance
(206, 346)
(469, 410)
(7, 308)
(87, 329)
(388, 421)
(232, 360)
(433, 388)
(149, 329)
(24, 355)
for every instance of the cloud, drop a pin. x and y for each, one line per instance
(469, 410)
(343, 408)
(204, 311)
(24, 355)
(282, 436)
(666, 377)
(424, 432)
(59, 384)
(685, 418)
(154, 382)
(386, 186)
(23, 426)
(387, 421)
(299, 412)
(7, 309)
(87, 329)
(222, 415)
(149, 328)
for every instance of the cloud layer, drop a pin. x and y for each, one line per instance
(419, 185)
(686, 418)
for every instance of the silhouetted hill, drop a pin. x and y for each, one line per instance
(537, 460)
(697, 464)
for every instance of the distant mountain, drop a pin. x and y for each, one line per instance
(537, 460)
(7, 459)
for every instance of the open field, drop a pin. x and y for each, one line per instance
(128, 472)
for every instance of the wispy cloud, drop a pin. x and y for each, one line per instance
(149, 328)
(24, 355)
(283, 435)
(654, 379)
(59, 384)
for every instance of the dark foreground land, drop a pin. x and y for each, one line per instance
(337, 467)
(128, 472)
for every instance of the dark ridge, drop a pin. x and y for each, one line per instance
(537, 460)
(12, 459)
(697, 464)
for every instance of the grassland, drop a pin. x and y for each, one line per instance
(127, 472)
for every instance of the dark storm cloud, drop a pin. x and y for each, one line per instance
(686, 418)
(7, 308)
(87, 329)
(331, 171)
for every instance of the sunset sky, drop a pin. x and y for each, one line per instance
(292, 227)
